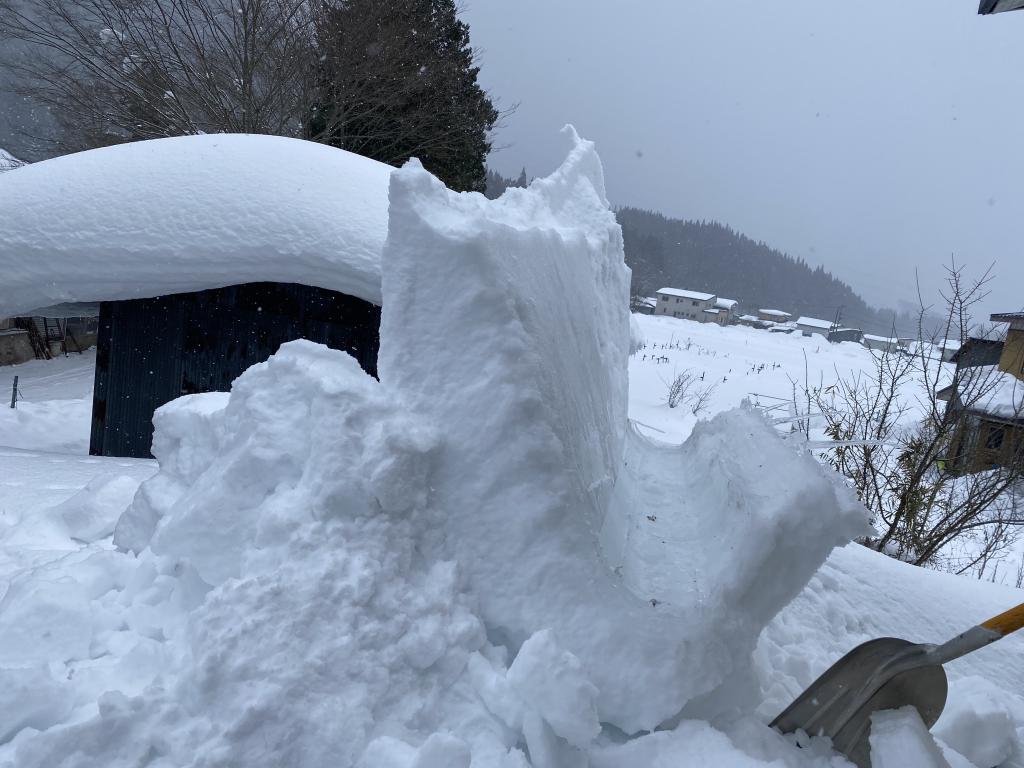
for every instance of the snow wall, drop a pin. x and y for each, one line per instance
(450, 567)
(190, 213)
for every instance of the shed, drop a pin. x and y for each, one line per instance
(810, 325)
(284, 241)
(838, 335)
(151, 351)
(773, 315)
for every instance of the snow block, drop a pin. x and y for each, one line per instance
(507, 323)
(899, 739)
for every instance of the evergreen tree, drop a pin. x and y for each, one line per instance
(398, 80)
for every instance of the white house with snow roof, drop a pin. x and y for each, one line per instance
(811, 325)
(685, 305)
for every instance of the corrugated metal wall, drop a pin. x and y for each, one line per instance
(151, 351)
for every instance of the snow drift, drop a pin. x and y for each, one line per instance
(190, 213)
(471, 562)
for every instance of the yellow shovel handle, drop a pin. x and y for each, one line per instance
(1007, 622)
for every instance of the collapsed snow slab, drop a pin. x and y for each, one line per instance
(189, 213)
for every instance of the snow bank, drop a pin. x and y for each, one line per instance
(472, 562)
(190, 213)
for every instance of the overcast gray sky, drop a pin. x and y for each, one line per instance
(869, 137)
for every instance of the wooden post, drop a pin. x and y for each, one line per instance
(14, 393)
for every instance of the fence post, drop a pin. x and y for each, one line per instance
(14, 393)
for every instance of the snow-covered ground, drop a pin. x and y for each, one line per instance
(475, 562)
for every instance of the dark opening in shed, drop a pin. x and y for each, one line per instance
(151, 351)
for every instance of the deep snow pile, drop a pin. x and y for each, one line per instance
(189, 213)
(473, 562)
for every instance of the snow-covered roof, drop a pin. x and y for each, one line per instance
(873, 337)
(190, 213)
(8, 161)
(987, 389)
(813, 322)
(699, 296)
(649, 301)
(749, 318)
(774, 312)
(726, 303)
(713, 311)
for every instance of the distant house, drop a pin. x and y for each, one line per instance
(15, 346)
(837, 335)
(811, 325)
(773, 315)
(686, 305)
(987, 399)
(47, 333)
(728, 308)
(753, 321)
(881, 343)
(646, 305)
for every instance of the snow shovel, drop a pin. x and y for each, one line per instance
(886, 673)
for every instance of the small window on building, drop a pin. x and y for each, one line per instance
(696, 303)
(994, 438)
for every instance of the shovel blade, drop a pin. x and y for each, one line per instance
(887, 673)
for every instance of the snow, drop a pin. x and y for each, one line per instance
(54, 408)
(476, 561)
(698, 295)
(190, 213)
(899, 739)
(774, 313)
(726, 303)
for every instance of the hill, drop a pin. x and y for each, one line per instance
(712, 257)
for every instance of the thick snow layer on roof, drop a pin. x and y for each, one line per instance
(774, 313)
(726, 303)
(697, 295)
(8, 161)
(987, 389)
(190, 213)
(813, 322)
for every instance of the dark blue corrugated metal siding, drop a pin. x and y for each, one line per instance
(151, 351)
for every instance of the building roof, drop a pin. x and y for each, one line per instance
(8, 161)
(887, 339)
(998, 6)
(726, 303)
(988, 390)
(750, 318)
(191, 213)
(713, 311)
(698, 295)
(774, 312)
(974, 346)
(649, 301)
(1015, 319)
(813, 322)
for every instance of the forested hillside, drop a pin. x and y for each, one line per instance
(708, 256)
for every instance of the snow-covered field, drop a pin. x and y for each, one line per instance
(475, 562)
